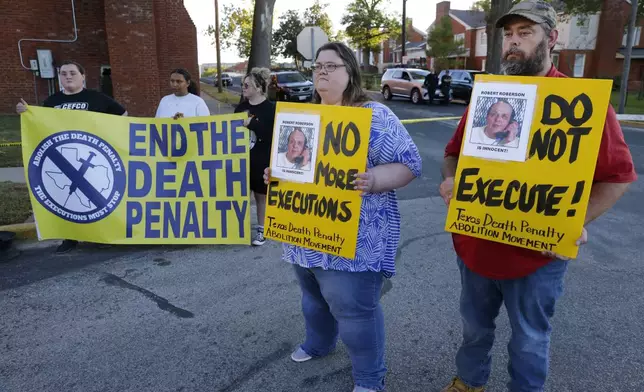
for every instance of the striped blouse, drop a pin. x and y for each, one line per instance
(379, 227)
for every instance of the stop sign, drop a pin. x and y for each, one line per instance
(309, 40)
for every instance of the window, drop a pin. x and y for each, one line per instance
(584, 25)
(580, 62)
(460, 37)
(636, 40)
(397, 75)
(483, 66)
(555, 59)
(483, 37)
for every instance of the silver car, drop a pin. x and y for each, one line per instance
(407, 83)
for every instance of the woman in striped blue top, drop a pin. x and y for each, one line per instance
(341, 297)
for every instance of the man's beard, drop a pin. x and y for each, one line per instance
(528, 65)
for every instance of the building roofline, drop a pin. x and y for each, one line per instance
(467, 27)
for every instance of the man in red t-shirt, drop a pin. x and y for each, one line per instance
(528, 282)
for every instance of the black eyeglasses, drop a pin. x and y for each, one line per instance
(329, 67)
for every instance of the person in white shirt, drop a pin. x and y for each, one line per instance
(182, 103)
(297, 155)
(500, 127)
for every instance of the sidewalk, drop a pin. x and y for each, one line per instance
(12, 174)
(217, 107)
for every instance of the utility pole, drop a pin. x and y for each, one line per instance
(218, 46)
(623, 89)
(404, 31)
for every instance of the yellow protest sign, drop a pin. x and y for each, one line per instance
(528, 182)
(124, 180)
(317, 150)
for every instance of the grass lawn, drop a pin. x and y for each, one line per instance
(15, 206)
(225, 96)
(10, 132)
(633, 105)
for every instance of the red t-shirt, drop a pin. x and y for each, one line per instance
(496, 260)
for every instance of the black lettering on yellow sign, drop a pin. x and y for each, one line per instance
(553, 143)
(515, 194)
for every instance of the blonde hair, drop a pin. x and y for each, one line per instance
(260, 76)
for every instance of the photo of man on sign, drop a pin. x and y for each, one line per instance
(496, 122)
(298, 151)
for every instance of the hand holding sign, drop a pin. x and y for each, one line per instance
(583, 239)
(446, 188)
(365, 182)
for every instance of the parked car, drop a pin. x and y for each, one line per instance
(226, 80)
(408, 83)
(291, 86)
(462, 82)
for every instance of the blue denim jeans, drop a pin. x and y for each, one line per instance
(346, 304)
(530, 303)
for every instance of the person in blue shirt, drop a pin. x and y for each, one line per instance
(340, 296)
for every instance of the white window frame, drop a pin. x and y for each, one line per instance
(555, 59)
(483, 37)
(636, 36)
(576, 72)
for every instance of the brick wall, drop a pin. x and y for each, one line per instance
(48, 20)
(176, 43)
(142, 41)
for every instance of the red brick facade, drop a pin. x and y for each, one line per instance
(140, 40)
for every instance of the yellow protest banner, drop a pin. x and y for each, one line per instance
(125, 180)
(317, 150)
(528, 182)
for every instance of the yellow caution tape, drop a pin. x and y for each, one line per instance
(11, 144)
(418, 120)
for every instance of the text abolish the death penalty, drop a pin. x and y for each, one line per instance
(177, 180)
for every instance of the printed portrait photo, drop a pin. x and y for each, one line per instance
(498, 121)
(296, 148)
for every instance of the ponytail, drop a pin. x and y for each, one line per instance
(192, 87)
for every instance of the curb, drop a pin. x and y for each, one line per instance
(636, 124)
(24, 231)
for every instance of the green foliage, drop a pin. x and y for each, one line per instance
(367, 24)
(209, 72)
(291, 24)
(316, 15)
(285, 37)
(236, 27)
(441, 43)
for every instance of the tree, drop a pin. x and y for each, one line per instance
(262, 36)
(442, 44)
(367, 24)
(316, 15)
(285, 37)
(236, 28)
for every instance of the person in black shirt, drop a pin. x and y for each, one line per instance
(261, 119)
(431, 83)
(76, 97)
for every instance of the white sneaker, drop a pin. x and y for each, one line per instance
(300, 355)
(361, 389)
(259, 238)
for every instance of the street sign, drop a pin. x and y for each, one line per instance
(309, 40)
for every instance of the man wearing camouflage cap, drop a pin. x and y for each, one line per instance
(528, 282)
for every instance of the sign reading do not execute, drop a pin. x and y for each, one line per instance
(539, 203)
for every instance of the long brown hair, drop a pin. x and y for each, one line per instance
(354, 93)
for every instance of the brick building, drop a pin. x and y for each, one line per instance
(468, 26)
(582, 52)
(141, 41)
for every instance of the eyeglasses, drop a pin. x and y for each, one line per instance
(328, 67)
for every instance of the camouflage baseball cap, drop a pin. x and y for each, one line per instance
(537, 11)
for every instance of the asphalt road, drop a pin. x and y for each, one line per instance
(225, 319)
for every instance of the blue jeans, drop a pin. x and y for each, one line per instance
(530, 303)
(346, 304)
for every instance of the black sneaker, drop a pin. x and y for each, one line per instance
(66, 246)
(259, 238)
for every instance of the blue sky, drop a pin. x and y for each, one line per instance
(203, 14)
